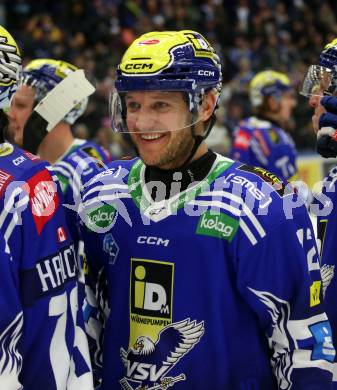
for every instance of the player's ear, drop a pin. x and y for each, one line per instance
(272, 103)
(207, 106)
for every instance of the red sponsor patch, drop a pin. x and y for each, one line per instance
(241, 140)
(61, 234)
(5, 178)
(31, 156)
(43, 198)
(149, 42)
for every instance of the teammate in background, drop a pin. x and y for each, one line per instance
(320, 85)
(75, 161)
(260, 140)
(42, 347)
(206, 289)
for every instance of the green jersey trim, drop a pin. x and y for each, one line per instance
(148, 206)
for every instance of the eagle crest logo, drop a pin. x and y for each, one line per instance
(148, 361)
(327, 274)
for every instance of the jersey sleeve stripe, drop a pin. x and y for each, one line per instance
(108, 187)
(245, 208)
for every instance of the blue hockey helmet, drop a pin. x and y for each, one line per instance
(321, 79)
(179, 61)
(267, 83)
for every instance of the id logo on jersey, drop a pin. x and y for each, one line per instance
(151, 294)
(151, 288)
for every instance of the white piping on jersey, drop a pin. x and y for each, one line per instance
(106, 197)
(231, 209)
(75, 180)
(8, 209)
(106, 188)
(62, 171)
(10, 229)
(9, 205)
(245, 208)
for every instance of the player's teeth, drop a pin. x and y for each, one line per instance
(151, 136)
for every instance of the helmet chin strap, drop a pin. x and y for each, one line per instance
(198, 139)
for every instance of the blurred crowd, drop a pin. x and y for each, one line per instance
(251, 35)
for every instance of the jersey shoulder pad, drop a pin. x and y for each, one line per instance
(257, 190)
(113, 179)
(18, 166)
(91, 149)
(255, 123)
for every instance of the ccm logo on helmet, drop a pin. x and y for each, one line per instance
(206, 73)
(138, 66)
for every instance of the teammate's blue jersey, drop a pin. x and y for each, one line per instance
(82, 161)
(326, 203)
(42, 344)
(215, 288)
(261, 143)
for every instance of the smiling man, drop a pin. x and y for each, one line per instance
(198, 280)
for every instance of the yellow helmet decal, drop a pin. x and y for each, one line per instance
(331, 44)
(152, 52)
(268, 77)
(10, 59)
(62, 68)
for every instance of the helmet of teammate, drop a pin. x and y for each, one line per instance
(321, 79)
(179, 61)
(44, 74)
(267, 83)
(10, 67)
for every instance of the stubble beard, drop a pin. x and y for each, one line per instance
(175, 153)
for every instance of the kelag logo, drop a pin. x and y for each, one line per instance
(151, 289)
(219, 225)
(101, 217)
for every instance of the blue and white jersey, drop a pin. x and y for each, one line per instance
(261, 143)
(217, 287)
(42, 347)
(326, 204)
(82, 161)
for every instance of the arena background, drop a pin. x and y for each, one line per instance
(250, 35)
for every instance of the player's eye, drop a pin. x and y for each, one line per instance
(132, 106)
(161, 106)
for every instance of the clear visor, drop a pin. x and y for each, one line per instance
(319, 81)
(153, 111)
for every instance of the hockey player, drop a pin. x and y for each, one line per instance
(75, 161)
(320, 86)
(42, 344)
(210, 282)
(260, 140)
